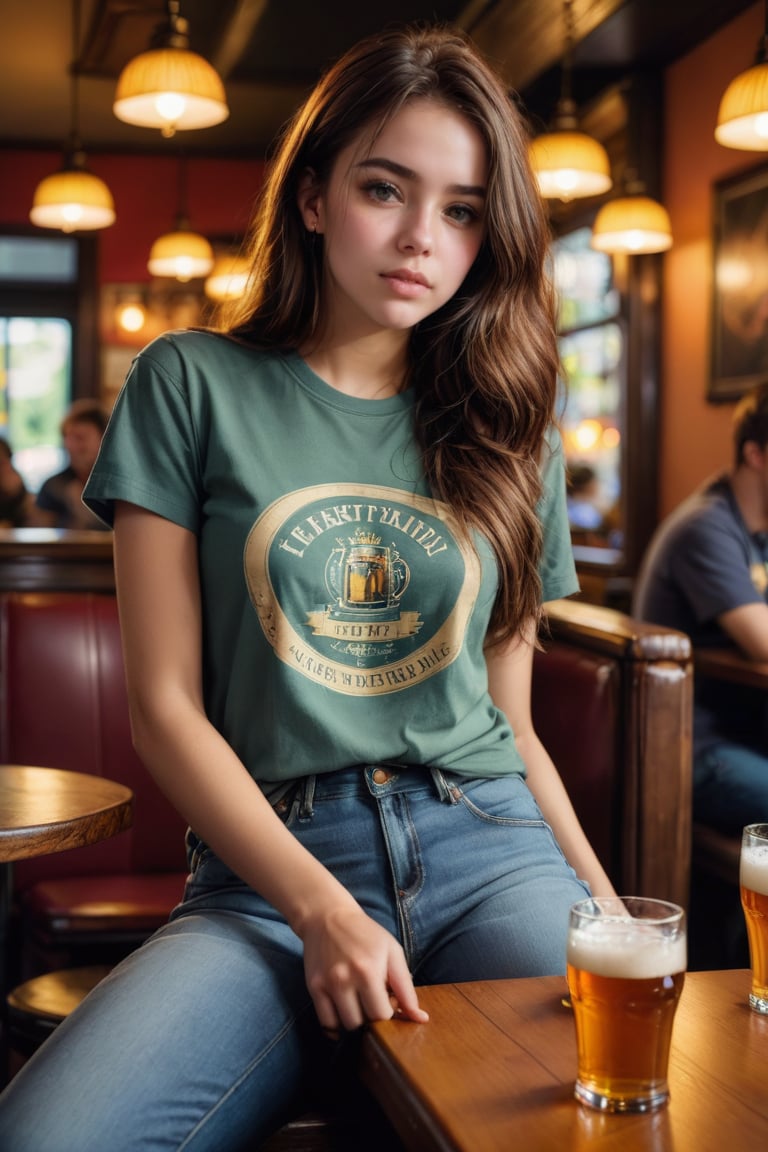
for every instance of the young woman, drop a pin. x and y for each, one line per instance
(335, 522)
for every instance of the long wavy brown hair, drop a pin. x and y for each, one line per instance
(484, 366)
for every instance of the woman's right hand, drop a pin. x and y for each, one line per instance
(355, 970)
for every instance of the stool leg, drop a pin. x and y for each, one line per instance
(6, 895)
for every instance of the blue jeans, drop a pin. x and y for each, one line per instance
(730, 786)
(202, 1037)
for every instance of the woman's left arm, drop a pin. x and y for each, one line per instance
(510, 668)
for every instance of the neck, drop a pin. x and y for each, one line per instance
(747, 488)
(371, 367)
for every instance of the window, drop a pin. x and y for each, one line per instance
(43, 283)
(35, 373)
(592, 354)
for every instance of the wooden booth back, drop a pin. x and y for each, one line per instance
(612, 703)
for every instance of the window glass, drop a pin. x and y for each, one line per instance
(38, 259)
(592, 355)
(35, 373)
(584, 280)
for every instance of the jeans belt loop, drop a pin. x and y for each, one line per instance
(306, 806)
(447, 793)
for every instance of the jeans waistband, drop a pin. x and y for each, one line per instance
(375, 780)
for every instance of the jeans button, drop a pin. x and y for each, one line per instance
(380, 776)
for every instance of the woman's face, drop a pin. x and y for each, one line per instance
(402, 219)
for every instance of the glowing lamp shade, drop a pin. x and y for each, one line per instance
(632, 224)
(742, 120)
(72, 200)
(182, 255)
(170, 89)
(228, 278)
(570, 165)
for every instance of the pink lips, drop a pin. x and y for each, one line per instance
(405, 282)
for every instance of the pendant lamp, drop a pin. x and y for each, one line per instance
(228, 277)
(169, 87)
(73, 199)
(742, 119)
(569, 164)
(633, 223)
(182, 254)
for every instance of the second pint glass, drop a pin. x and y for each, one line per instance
(754, 901)
(626, 967)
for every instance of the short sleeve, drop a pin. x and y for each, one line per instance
(150, 455)
(709, 564)
(556, 567)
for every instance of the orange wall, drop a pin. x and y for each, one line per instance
(695, 434)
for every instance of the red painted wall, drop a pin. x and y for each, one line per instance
(220, 195)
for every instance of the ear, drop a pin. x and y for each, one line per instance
(753, 455)
(310, 200)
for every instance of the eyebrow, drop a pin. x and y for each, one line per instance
(408, 174)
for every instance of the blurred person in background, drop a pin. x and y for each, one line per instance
(59, 501)
(15, 501)
(706, 573)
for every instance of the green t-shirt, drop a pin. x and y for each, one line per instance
(343, 616)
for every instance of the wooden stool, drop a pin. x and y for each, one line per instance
(38, 1005)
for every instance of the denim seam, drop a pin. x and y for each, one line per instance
(289, 1024)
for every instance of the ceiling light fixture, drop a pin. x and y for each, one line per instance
(228, 277)
(742, 119)
(169, 87)
(569, 164)
(633, 223)
(73, 199)
(182, 254)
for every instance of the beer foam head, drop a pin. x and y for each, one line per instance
(626, 948)
(754, 867)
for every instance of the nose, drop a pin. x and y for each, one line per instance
(417, 232)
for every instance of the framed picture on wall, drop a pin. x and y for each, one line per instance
(739, 319)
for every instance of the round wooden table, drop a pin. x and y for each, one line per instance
(46, 810)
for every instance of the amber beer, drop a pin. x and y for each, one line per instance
(626, 967)
(754, 901)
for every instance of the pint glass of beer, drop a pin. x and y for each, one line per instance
(754, 901)
(626, 967)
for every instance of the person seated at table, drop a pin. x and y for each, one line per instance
(706, 573)
(584, 512)
(336, 519)
(59, 501)
(15, 500)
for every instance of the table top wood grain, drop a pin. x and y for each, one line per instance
(46, 810)
(494, 1070)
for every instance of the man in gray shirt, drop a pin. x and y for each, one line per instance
(706, 573)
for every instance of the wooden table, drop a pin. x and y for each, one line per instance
(46, 810)
(493, 1071)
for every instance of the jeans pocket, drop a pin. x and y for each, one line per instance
(499, 799)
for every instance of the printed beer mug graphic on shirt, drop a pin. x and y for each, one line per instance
(364, 574)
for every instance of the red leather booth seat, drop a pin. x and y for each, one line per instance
(63, 704)
(577, 713)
